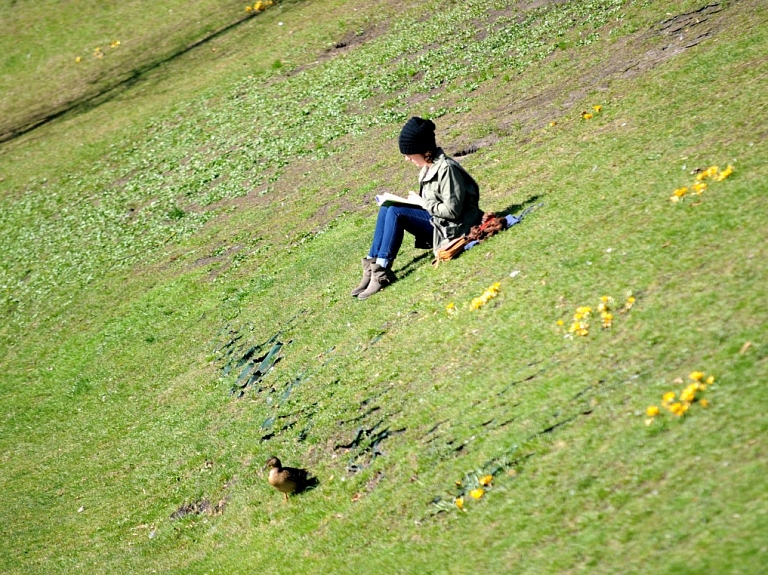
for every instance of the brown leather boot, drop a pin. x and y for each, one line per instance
(366, 277)
(380, 278)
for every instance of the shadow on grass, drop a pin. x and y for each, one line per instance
(112, 86)
(513, 208)
(414, 264)
(311, 483)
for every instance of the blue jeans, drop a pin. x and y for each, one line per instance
(391, 224)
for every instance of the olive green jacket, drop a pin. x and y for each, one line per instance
(451, 197)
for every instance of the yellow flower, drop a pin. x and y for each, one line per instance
(451, 308)
(649, 421)
(708, 173)
(696, 375)
(699, 187)
(598, 108)
(704, 403)
(669, 396)
(652, 411)
(674, 199)
(680, 192)
(77, 60)
(676, 408)
(115, 44)
(485, 480)
(487, 295)
(711, 379)
(248, 9)
(560, 323)
(477, 493)
(688, 395)
(724, 174)
(459, 501)
(586, 115)
(585, 310)
(552, 124)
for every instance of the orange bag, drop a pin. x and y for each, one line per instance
(452, 250)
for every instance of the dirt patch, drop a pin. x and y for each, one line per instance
(349, 42)
(628, 57)
(201, 507)
(224, 259)
(671, 37)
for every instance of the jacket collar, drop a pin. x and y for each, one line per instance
(428, 172)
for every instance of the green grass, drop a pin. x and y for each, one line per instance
(225, 196)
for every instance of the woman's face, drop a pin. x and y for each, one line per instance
(419, 159)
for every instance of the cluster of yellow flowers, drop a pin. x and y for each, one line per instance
(589, 115)
(487, 296)
(259, 6)
(712, 172)
(476, 493)
(596, 109)
(477, 302)
(580, 325)
(679, 405)
(98, 52)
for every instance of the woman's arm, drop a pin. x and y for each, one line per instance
(447, 197)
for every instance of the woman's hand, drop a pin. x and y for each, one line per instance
(413, 196)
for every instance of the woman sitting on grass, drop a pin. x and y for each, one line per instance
(447, 207)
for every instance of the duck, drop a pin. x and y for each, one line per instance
(288, 480)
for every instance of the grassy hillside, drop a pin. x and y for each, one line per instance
(177, 257)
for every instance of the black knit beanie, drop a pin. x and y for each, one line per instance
(417, 136)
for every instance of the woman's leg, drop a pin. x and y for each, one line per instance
(378, 232)
(391, 225)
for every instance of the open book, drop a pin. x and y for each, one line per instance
(387, 199)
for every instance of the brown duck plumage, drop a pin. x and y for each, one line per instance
(287, 479)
